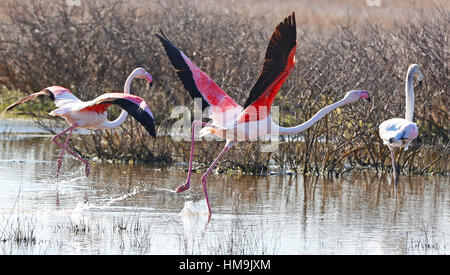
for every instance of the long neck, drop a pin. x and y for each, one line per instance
(409, 94)
(123, 115)
(320, 114)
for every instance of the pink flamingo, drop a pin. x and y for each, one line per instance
(232, 122)
(93, 114)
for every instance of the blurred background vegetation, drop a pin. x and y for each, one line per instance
(342, 45)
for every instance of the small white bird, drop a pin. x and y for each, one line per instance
(399, 132)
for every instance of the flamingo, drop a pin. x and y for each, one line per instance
(93, 114)
(400, 132)
(235, 123)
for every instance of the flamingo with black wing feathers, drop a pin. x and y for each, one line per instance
(233, 122)
(93, 114)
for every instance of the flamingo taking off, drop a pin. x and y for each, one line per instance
(232, 122)
(93, 114)
(400, 132)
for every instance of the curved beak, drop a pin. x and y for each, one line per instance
(420, 78)
(149, 79)
(365, 95)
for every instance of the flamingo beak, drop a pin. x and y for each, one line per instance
(149, 79)
(420, 79)
(365, 95)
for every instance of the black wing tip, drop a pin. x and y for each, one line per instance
(281, 43)
(290, 20)
(45, 92)
(288, 27)
(151, 128)
(290, 23)
(159, 36)
(182, 69)
(168, 46)
(161, 31)
(9, 107)
(148, 122)
(163, 38)
(144, 118)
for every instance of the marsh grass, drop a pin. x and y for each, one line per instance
(425, 240)
(19, 234)
(22, 233)
(85, 226)
(133, 233)
(241, 237)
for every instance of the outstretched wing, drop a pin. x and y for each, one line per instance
(195, 81)
(44, 92)
(58, 94)
(278, 64)
(134, 105)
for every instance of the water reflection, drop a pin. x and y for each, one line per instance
(132, 209)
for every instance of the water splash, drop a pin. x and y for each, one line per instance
(123, 197)
(165, 189)
(195, 220)
(69, 181)
(192, 208)
(83, 206)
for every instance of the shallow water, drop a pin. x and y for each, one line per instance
(132, 209)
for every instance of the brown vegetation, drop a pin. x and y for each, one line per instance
(91, 48)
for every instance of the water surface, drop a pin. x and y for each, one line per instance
(132, 209)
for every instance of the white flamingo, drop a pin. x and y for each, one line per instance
(400, 132)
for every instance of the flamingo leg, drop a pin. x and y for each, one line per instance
(65, 148)
(394, 170)
(86, 163)
(70, 129)
(227, 147)
(187, 184)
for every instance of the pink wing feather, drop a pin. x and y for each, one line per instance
(195, 81)
(134, 105)
(210, 91)
(62, 95)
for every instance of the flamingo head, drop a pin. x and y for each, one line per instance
(356, 95)
(420, 76)
(415, 70)
(143, 74)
